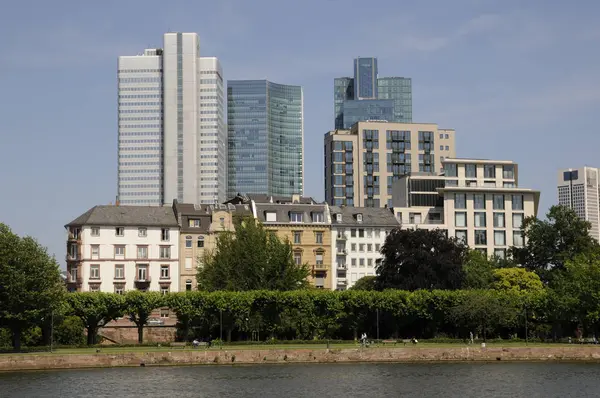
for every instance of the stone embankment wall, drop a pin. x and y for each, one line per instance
(129, 334)
(10, 362)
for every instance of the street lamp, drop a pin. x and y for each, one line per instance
(221, 323)
(377, 325)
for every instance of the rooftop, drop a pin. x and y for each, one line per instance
(371, 216)
(109, 215)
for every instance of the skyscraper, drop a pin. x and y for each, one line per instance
(172, 132)
(266, 138)
(579, 189)
(369, 97)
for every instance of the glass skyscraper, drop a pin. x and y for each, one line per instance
(369, 97)
(265, 136)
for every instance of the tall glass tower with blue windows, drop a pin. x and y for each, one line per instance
(369, 97)
(265, 138)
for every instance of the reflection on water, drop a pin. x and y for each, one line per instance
(441, 380)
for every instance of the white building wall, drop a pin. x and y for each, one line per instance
(140, 129)
(106, 259)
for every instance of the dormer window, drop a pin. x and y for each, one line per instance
(295, 216)
(194, 223)
(270, 216)
(359, 218)
(338, 217)
(317, 217)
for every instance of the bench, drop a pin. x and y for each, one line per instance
(177, 344)
(384, 342)
(203, 344)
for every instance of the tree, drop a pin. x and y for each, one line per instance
(550, 243)
(421, 259)
(95, 309)
(479, 270)
(30, 284)
(139, 305)
(365, 283)
(251, 258)
(517, 280)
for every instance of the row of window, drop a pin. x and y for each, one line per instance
(119, 271)
(119, 252)
(362, 248)
(479, 201)
(480, 221)
(140, 71)
(297, 217)
(298, 237)
(139, 80)
(165, 234)
(480, 237)
(471, 170)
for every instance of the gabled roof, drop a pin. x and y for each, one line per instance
(371, 216)
(143, 216)
(264, 198)
(283, 212)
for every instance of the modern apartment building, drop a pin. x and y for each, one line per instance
(120, 248)
(357, 236)
(578, 189)
(362, 163)
(366, 96)
(476, 200)
(266, 138)
(172, 132)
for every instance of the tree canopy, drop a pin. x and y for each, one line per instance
(251, 258)
(365, 283)
(421, 259)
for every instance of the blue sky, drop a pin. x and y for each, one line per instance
(517, 80)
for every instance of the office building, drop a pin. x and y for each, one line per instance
(362, 163)
(369, 97)
(266, 138)
(478, 201)
(578, 189)
(172, 133)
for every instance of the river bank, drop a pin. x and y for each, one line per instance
(13, 362)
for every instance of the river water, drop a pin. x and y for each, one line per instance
(442, 380)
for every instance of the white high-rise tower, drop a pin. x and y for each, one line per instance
(579, 189)
(172, 133)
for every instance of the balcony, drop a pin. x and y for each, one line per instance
(75, 281)
(342, 267)
(72, 257)
(341, 237)
(145, 279)
(74, 237)
(342, 281)
(321, 267)
(341, 252)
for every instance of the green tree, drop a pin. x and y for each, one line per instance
(479, 270)
(30, 284)
(517, 280)
(95, 309)
(139, 306)
(550, 243)
(421, 259)
(69, 331)
(365, 283)
(252, 258)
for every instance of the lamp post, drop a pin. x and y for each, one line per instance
(377, 324)
(526, 334)
(51, 329)
(221, 324)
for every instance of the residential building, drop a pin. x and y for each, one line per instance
(353, 175)
(367, 96)
(266, 138)
(357, 236)
(120, 248)
(200, 227)
(172, 141)
(578, 189)
(478, 201)
(307, 226)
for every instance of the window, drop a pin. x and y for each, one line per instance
(361, 247)
(508, 171)
(498, 202)
(461, 235)
(271, 216)
(518, 238)
(142, 232)
(295, 217)
(95, 287)
(460, 201)
(369, 233)
(319, 258)
(317, 217)
(193, 223)
(95, 271)
(414, 218)
(119, 289)
(188, 263)
(450, 170)
(480, 237)
(517, 202)
(298, 258)
(353, 262)
(370, 262)
(297, 237)
(471, 170)
(499, 238)
(499, 220)
(369, 247)
(119, 271)
(142, 273)
(95, 251)
(188, 242)
(165, 252)
(319, 237)
(353, 247)
(361, 262)
(378, 231)
(460, 219)
(164, 313)
(142, 252)
(359, 217)
(164, 234)
(119, 251)
(517, 220)
(489, 171)
(95, 231)
(200, 241)
(338, 217)
(500, 253)
(164, 272)
(377, 247)
(361, 233)
(119, 231)
(188, 285)
(480, 221)
(222, 221)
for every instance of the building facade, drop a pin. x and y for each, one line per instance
(266, 138)
(366, 96)
(478, 201)
(172, 133)
(357, 236)
(362, 163)
(579, 190)
(121, 248)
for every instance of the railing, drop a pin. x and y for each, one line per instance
(342, 266)
(72, 257)
(342, 281)
(320, 266)
(77, 281)
(343, 252)
(146, 279)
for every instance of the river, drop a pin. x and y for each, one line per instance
(440, 380)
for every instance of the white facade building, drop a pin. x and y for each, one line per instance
(478, 201)
(121, 248)
(357, 236)
(579, 189)
(171, 122)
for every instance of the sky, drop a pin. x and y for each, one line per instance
(517, 80)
